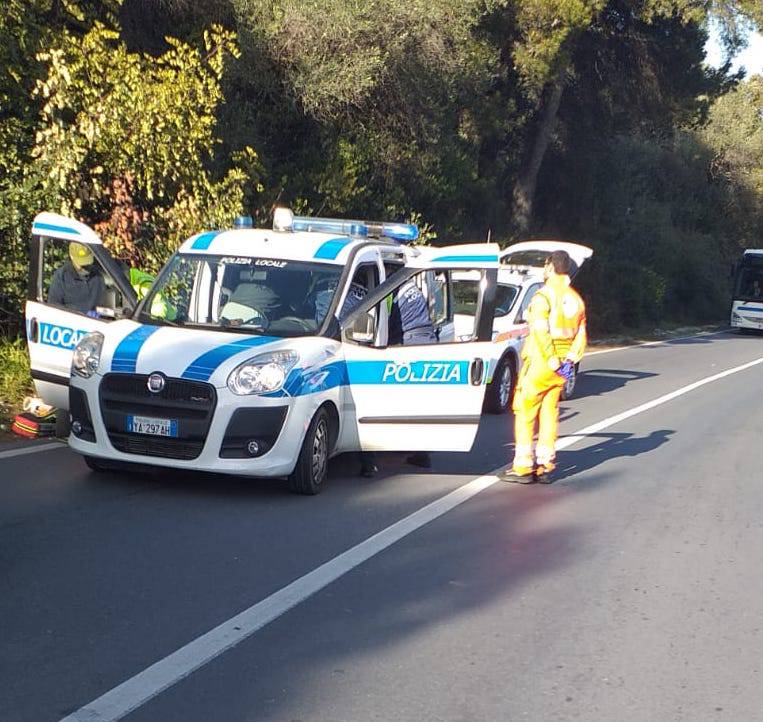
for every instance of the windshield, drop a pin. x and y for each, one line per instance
(534, 258)
(749, 285)
(465, 294)
(252, 295)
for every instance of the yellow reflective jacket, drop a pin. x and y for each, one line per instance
(556, 317)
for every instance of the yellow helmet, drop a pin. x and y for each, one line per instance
(80, 254)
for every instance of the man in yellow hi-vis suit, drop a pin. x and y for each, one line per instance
(557, 341)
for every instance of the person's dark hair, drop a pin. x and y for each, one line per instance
(561, 262)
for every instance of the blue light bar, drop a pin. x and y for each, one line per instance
(243, 222)
(401, 232)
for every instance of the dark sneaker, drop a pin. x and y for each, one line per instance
(368, 470)
(422, 460)
(543, 475)
(514, 478)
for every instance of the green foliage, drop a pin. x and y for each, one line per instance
(663, 250)
(15, 381)
(125, 140)
(406, 109)
(735, 134)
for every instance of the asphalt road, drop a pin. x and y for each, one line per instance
(630, 589)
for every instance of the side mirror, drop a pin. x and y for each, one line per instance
(363, 329)
(106, 312)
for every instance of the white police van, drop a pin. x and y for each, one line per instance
(520, 276)
(237, 361)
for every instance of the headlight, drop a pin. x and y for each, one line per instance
(262, 374)
(87, 355)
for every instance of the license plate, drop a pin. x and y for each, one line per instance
(154, 427)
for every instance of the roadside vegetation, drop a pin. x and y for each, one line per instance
(587, 120)
(15, 381)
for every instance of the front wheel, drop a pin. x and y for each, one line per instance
(310, 472)
(501, 389)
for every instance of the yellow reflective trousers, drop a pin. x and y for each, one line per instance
(536, 400)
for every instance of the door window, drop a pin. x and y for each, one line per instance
(466, 295)
(419, 311)
(522, 315)
(75, 280)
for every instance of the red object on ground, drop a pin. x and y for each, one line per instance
(31, 427)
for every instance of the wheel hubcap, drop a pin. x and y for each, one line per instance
(505, 387)
(320, 452)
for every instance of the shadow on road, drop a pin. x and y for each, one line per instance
(496, 548)
(597, 382)
(611, 446)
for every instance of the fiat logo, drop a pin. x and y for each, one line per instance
(156, 383)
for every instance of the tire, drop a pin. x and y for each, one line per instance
(500, 391)
(569, 387)
(63, 425)
(311, 469)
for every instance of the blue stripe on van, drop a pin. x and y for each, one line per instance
(204, 241)
(50, 227)
(125, 357)
(331, 249)
(205, 365)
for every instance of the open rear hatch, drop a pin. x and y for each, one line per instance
(533, 254)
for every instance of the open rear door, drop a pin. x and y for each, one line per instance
(533, 254)
(54, 326)
(425, 397)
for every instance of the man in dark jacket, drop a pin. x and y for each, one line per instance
(409, 321)
(77, 284)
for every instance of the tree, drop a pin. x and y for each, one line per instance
(559, 28)
(378, 106)
(734, 134)
(125, 140)
(26, 28)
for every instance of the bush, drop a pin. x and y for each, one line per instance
(15, 380)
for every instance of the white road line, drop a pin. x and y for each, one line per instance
(145, 685)
(32, 449)
(48, 447)
(657, 343)
(617, 418)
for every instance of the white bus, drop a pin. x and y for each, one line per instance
(747, 300)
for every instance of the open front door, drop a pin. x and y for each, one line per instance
(424, 394)
(75, 287)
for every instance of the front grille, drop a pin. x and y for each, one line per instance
(135, 386)
(156, 446)
(190, 403)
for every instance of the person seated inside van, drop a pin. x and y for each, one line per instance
(78, 283)
(260, 295)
